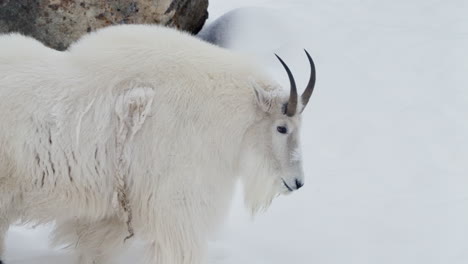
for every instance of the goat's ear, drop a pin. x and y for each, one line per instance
(262, 98)
(132, 107)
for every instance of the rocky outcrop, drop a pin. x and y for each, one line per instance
(57, 23)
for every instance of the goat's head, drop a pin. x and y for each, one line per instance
(274, 154)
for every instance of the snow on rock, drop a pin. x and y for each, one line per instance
(248, 29)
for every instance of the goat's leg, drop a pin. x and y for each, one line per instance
(4, 225)
(175, 246)
(7, 216)
(95, 243)
(5, 221)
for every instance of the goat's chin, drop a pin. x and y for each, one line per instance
(284, 191)
(259, 192)
(261, 181)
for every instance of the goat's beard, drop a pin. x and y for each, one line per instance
(260, 183)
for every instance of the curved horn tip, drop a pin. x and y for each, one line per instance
(312, 64)
(279, 58)
(310, 86)
(292, 103)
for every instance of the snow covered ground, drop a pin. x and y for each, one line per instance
(385, 137)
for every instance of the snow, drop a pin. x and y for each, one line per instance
(385, 140)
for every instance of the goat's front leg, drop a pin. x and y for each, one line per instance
(94, 243)
(7, 216)
(4, 224)
(175, 247)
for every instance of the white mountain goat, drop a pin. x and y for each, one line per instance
(140, 130)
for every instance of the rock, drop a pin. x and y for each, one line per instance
(58, 23)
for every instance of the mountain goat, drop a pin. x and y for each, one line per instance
(140, 130)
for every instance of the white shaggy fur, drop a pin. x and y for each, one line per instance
(150, 113)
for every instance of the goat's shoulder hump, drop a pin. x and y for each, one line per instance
(125, 36)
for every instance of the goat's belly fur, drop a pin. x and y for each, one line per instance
(130, 107)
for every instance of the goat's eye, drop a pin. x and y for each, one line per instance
(282, 129)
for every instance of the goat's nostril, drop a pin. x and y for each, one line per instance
(299, 184)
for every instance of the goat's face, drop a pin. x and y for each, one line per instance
(274, 153)
(286, 151)
(278, 142)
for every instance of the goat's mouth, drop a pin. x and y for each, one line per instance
(286, 185)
